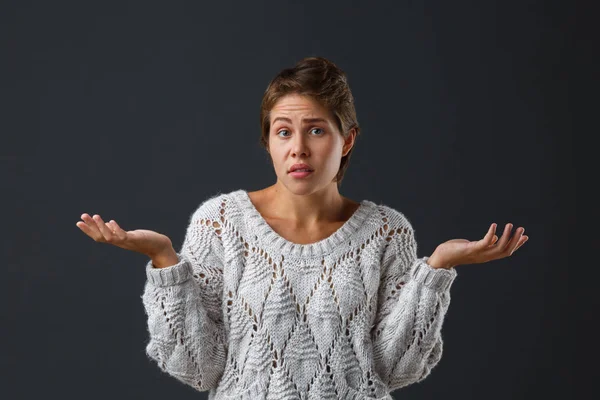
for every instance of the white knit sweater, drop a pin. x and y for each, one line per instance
(249, 315)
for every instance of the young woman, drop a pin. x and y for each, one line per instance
(295, 291)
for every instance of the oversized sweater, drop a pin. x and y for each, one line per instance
(246, 314)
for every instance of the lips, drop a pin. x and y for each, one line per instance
(296, 167)
(300, 174)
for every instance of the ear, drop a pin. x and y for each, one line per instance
(349, 142)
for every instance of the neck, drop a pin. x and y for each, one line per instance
(307, 210)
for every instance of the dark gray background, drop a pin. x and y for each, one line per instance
(140, 111)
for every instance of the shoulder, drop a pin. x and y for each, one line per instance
(213, 207)
(393, 218)
(400, 237)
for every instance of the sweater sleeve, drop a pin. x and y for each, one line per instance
(413, 299)
(183, 305)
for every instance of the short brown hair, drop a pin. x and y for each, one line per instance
(324, 82)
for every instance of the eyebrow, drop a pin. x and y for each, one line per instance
(305, 120)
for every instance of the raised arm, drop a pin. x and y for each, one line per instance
(183, 304)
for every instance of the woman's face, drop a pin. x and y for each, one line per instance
(302, 131)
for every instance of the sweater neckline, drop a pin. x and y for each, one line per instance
(273, 240)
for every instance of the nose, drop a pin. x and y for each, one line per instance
(299, 146)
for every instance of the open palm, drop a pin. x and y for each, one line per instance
(141, 241)
(462, 251)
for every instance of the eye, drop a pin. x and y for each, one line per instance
(319, 129)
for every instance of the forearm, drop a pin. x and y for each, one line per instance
(404, 338)
(184, 341)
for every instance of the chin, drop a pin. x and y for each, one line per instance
(303, 191)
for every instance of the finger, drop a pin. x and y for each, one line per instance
(116, 229)
(497, 251)
(524, 238)
(495, 239)
(505, 237)
(111, 228)
(86, 229)
(488, 239)
(116, 226)
(106, 231)
(514, 242)
(92, 226)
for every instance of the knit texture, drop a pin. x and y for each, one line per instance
(246, 314)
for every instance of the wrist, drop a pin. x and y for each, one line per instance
(165, 258)
(436, 263)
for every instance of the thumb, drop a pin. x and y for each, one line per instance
(489, 239)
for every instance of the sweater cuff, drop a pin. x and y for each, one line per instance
(439, 279)
(169, 276)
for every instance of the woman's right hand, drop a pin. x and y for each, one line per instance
(143, 241)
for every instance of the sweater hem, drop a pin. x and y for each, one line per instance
(258, 391)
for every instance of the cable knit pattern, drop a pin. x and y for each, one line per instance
(249, 315)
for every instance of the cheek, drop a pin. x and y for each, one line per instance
(278, 157)
(332, 150)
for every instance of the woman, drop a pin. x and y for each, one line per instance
(295, 291)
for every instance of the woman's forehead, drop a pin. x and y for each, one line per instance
(297, 106)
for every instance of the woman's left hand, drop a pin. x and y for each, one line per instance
(461, 251)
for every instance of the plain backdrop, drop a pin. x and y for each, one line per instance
(140, 111)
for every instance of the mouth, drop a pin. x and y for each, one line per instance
(301, 173)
